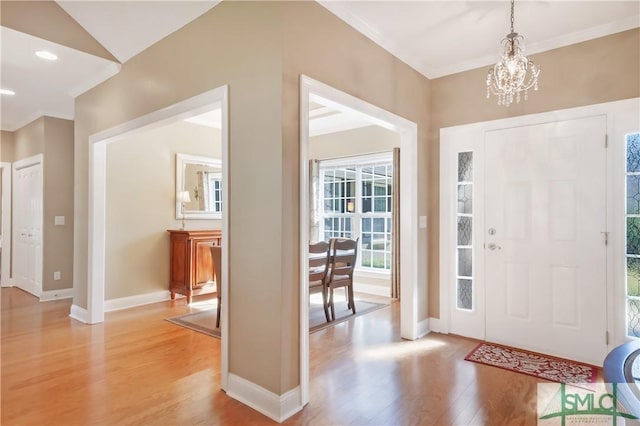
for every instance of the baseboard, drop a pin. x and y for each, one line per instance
(137, 300)
(65, 293)
(32, 290)
(372, 289)
(276, 407)
(423, 328)
(80, 314)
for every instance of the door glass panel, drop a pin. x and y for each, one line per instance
(464, 231)
(464, 263)
(633, 153)
(633, 194)
(464, 294)
(465, 198)
(633, 235)
(633, 317)
(465, 167)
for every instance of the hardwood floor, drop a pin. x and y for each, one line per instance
(137, 368)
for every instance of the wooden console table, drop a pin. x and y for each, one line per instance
(191, 264)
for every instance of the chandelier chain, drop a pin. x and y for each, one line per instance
(512, 14)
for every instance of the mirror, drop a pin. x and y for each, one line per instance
(198, 187)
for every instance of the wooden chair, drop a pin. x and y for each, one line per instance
(344, 253)
(319, 271)
(216, 255)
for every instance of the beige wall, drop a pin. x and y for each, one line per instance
(364, 140)
(58, 201)
(29, 140)
(141, 190)
(255, 40)
(246, 55)
(6, 146)
(601, 70)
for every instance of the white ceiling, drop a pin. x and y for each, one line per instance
(44, 87)
(438, 38)
(126, 28)
(435, 37)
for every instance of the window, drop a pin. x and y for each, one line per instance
(356, 202)
(464, 244)
(633, 234)
(214, 194)
(375, 229)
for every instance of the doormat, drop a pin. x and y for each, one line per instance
(534, 364)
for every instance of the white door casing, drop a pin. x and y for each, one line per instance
(5, 261)
(545, 264)
(27, 224)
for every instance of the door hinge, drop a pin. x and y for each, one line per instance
(606, 141)
(606, 337)
(606, 238)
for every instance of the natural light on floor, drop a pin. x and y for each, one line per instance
(204, 305)
(398, 350)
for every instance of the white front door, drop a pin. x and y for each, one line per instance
(27, 226)
(544, 238)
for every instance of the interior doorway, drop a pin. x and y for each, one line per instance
(314, 92)
(97, 239)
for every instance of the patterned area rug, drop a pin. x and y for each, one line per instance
(317, 320)
(535, 364)
(205, 320)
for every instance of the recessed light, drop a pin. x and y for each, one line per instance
(44, 54)
(7, 92)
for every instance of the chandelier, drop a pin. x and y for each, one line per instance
(513, 73)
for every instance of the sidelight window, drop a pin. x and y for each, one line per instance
(633, 234)
(464, 240)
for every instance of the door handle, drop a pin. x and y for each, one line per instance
(494, 246)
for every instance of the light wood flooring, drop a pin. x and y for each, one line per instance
(137, 368)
